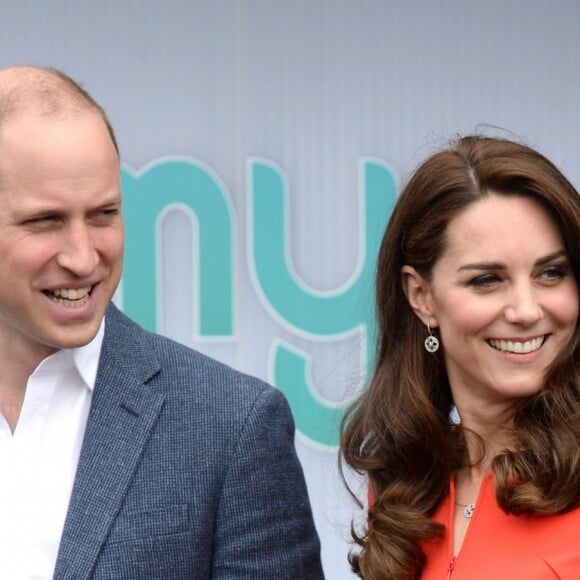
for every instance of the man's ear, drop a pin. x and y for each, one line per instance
(419, 295)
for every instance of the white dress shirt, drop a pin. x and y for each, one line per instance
(38, 461)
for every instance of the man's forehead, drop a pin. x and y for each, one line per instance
(51, 150)
(28, 130)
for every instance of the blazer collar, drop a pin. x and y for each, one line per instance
(123, 413)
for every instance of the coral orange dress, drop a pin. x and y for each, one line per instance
(498, 546)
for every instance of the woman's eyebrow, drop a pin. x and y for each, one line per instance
(499, 266)
(483, 266)
(550, 257)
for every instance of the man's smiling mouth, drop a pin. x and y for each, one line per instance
(70, 296)
(517, 347)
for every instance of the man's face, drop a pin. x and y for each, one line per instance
(61, 231)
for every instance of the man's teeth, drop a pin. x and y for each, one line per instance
(518, 347)
(68, 295)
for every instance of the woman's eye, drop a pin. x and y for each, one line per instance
(484, 281)
(554, 273)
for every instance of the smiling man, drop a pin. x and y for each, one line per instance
(123, 454)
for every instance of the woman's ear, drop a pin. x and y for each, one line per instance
(419, 295)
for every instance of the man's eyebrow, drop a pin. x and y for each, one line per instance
(32, 212)
(112, 203)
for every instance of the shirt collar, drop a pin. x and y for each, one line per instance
(86, 358)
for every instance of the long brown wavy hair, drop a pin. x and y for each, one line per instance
(399, 431)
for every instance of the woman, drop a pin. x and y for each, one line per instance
(470, 429)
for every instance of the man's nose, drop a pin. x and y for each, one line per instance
(523, 307)
(78, 252)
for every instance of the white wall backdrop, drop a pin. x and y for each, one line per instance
(314, 87)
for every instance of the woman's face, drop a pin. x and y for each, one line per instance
(504, 299)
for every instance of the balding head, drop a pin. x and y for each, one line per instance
(45, 92)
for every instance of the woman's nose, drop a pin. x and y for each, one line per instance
(524, 308)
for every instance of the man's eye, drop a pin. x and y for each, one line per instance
(106, 215)
(41, 220)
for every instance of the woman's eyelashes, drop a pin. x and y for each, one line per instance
(550, 274)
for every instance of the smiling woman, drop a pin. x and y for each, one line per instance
(503, 300)
(477, 294)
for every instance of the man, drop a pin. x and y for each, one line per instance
(122, 454)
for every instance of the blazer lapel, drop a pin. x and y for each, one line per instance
(123, 413)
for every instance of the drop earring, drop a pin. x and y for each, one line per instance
(431, 342)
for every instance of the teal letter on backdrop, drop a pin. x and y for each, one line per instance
(317, 419)
(146, 196)
(304, 311)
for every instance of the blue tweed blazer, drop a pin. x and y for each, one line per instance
(187, 471)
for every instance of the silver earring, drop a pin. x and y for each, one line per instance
(431, 342)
